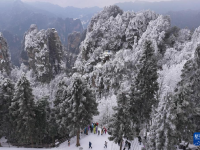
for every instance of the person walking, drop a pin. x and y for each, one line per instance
(105, 145)
(91, 128)
(139, 139)
(90, 145)
(126, 143)
(102, 132)
(105, 130)
(68, 142)
(94, 129)
(119, 142)
(129, 145)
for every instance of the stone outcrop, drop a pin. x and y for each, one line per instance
(72, 50)
(14, 43)
(5, 66)
(42, 52)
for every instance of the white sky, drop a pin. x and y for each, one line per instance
(86, 3)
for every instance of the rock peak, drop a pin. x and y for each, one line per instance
(33, 27)
(5, 65)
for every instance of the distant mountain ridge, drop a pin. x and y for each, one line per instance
(160, 7)
(16, 18)
(185, 18)
(183, 13)
(84, 14)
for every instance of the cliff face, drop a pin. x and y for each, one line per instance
(5, 66)
(42, 52)
(66, 27)
(74, 41)
(14, 43)
(72, 50)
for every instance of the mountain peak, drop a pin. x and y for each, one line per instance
(18, 5)
(18, 2)
(33, 27)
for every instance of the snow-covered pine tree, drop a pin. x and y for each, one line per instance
(121, 124)
(5, 64)
(6, 95)
(22, 110)
(162, 134)
(42, 115)
(145, 84)
(80, 106)
(187, 98)
(52, 126)
(134, 107)
(60, 105)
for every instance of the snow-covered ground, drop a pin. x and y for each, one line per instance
(97, 144)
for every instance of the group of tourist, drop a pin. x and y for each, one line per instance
(94, 127)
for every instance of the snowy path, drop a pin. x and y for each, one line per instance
(135, 145)
(97, 144)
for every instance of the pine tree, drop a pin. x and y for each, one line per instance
(163, 129)
(22, 111)
(59, 105)
(52, 126)
(42, 115)
(80, 106)
(6, 95)
(145, 85)
(121, 124)
(187, 98)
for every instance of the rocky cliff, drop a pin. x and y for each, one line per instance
(72, 50)
(66, 27)
(5, 65)
(43, 52)
(14, 43)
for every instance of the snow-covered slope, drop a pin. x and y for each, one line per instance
(114, 43)
(96, 140)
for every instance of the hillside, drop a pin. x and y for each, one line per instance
(114, 42)
(135, 73)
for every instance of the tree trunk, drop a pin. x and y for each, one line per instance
(77, 136)
(53, 141)
(31, 141)
(146, 130)
(121, 144)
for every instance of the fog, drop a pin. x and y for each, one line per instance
(87, 3)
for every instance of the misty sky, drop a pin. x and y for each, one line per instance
(86, 3)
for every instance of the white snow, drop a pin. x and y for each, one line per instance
(96, 140)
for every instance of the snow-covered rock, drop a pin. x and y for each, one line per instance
(5, 64)
(43, 52)
(124, 34)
